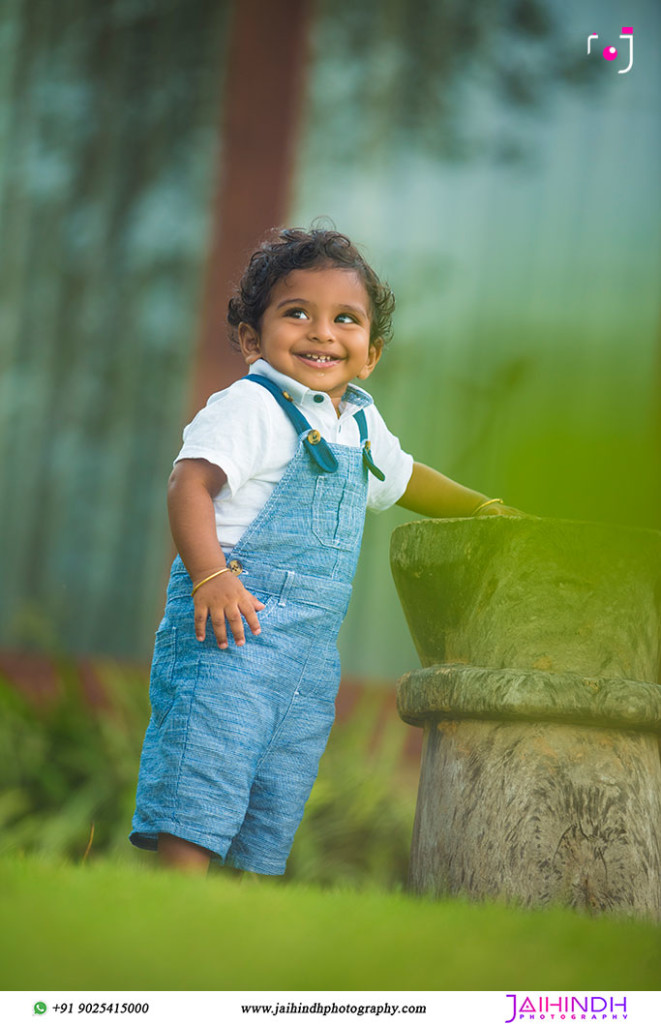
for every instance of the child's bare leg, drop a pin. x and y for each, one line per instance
(174, 852)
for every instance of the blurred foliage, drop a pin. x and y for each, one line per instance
(109, 118)
(408, 66)
(65, 765)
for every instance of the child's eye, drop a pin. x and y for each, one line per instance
(346, 318)
(296, 313)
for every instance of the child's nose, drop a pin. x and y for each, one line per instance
(321, 329)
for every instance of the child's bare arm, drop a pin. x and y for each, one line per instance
(431, 494)
(192, 486)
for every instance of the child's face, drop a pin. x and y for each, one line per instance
(316, 329)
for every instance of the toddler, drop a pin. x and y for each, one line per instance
(267, 501)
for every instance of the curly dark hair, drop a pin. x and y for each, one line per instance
(287, 249)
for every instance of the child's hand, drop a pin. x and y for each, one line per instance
(226, 598)
(503, 510)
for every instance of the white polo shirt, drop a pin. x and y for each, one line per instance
(244, 431)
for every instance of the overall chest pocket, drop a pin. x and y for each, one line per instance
(337, 513)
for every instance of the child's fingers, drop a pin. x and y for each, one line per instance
(504, 510)
(250, 615)
(226, 613)
(514, 513)
(201, 614)
(236, 625)
(219, 627)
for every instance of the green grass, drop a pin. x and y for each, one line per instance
(109, 926)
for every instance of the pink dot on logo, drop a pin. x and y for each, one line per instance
(610, 53)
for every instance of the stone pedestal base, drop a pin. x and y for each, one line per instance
(539, 814)
(541, 704)
(530, 811)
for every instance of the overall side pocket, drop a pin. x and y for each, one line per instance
(162, 685)
(270, 602)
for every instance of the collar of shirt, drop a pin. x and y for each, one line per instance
(353, 398)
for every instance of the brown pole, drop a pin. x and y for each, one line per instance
(263, 93)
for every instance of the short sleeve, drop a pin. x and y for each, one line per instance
(231, 432)
(396, 464)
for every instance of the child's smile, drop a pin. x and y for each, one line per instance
(316, 329)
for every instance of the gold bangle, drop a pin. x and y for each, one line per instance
(207, 578)
(490, 501)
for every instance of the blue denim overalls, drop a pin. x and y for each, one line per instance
(233, 744)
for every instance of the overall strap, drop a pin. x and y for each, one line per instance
(366, 445)
(312, 439)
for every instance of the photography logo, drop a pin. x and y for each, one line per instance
(610, 52)
(552, 1008)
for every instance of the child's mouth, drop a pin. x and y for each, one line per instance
(317, 360)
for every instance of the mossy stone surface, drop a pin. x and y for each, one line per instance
(467, 691)
(543, 594)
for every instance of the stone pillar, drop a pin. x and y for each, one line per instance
(540, 700)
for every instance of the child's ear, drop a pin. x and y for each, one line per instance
(251, 349)
(373, 356)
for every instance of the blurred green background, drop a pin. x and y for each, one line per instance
(505, 183)
(502, 181)
(507, 187)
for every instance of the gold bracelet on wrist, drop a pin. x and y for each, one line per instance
(207, 578)
(489, 501)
